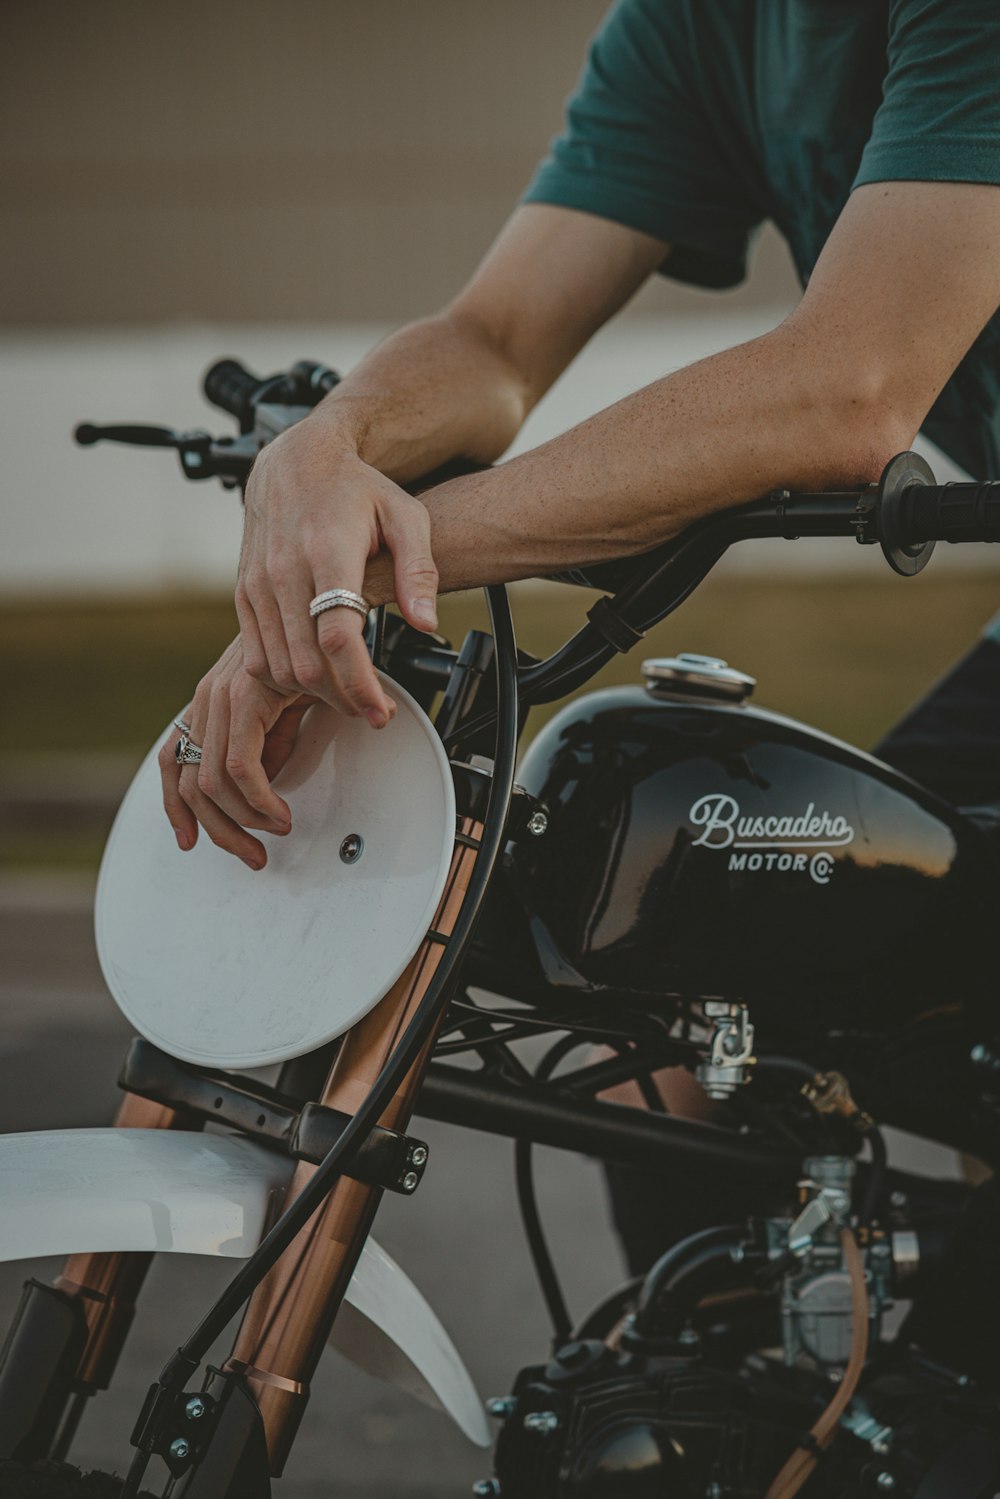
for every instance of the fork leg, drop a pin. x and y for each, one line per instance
(106, 1285)
(289, 1317)
(65, 1339)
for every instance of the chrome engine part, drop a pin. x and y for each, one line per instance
(730, 1049)
(816, 1318)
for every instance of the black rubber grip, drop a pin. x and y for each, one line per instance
(232, 388)
(951, 512)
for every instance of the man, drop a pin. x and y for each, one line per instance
(868, 130)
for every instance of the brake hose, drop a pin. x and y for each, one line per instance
(186, 1360)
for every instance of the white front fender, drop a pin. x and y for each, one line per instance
(169, 1191)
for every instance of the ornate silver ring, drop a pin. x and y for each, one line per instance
(186, 752)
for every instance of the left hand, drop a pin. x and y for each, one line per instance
(246, 731)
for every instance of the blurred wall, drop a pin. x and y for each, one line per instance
(316, 159)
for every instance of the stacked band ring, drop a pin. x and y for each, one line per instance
(338, 598)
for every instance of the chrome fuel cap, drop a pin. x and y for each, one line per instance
(689, 675)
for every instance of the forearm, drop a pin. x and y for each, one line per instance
(712, 435)
(438, 389)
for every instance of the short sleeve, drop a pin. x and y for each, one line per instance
(939, 120)
(640, 146)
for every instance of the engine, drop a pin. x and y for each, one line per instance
(739, 1339)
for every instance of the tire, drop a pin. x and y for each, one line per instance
(57, 1481)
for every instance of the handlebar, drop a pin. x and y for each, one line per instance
(952, 512)
(230, 386)
(906, 513)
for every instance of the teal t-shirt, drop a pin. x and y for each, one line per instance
(696, 120)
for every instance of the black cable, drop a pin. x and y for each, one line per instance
(189, 1356)
(791, 1065)
(710, 1246)
(875, 1190)
(376, 643)
(541, 1257)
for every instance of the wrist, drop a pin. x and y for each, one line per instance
(342, 424)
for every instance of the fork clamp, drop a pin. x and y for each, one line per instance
(386, 1158)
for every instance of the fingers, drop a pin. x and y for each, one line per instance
(266, 650)
(314, 517)
(223, 751)
(254, 654)
(230, 718)
(256, 752)
(406, 527)
(340, 635)
(179, 815)
(341, 639)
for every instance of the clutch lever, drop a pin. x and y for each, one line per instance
(201, 455)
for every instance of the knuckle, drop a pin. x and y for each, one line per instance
(208, 781)
(309, 671)
(280, 574)
(284, 679)
(254, 584)
(255, 665)
(334, 635)
(237, 767)
(421, 570)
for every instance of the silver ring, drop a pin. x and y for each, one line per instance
(186, 752)
(339, 598)
(179, 723)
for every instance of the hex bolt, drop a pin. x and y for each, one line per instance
(885, 1481)
(537, 823)
(687, 1336)
(486, 1488)
(418, 1155)
(411, 1181)
(195, 1408)
(352, 848)
(179, 1448)
(501, 1406)
(542, 1423)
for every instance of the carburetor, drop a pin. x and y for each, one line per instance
(816, 1292)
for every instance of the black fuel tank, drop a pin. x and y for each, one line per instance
(701, 847)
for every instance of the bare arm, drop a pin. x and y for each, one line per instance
(907, 280)
(463, 382)
(321, 500)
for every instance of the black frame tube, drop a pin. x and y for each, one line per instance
(608, 1131)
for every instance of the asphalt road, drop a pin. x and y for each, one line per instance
(459, 1238)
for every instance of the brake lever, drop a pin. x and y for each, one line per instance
(138, 435)
(201, 455)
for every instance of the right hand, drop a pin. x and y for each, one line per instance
(315, 515)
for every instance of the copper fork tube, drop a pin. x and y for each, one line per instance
(289, 1317)
(108, 1284)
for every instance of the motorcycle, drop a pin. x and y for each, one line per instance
(677, 877)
